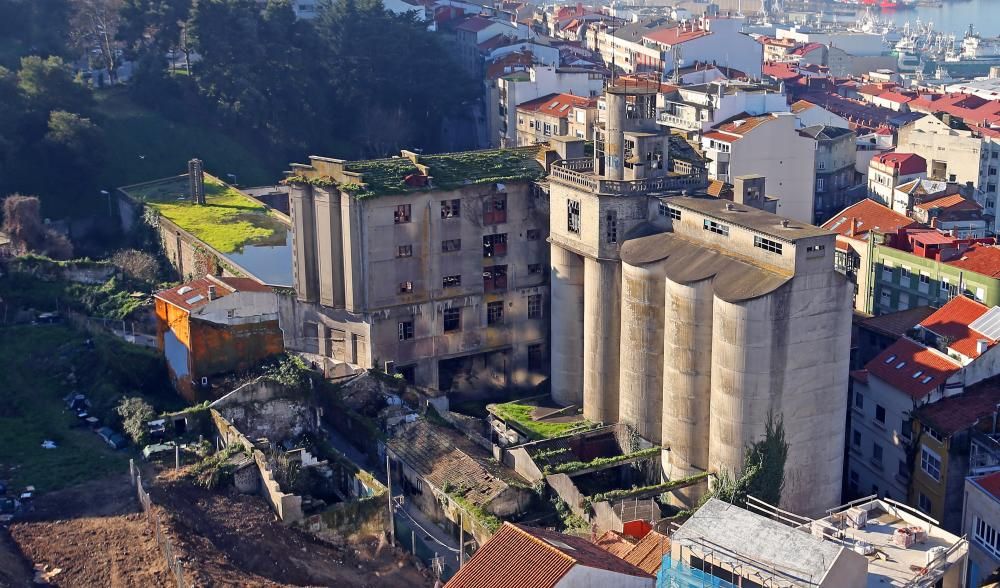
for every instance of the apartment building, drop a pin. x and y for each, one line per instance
(956, 152)
(432, 266)
(696, 108)
(769, 145)
(915, 398)
(888, 171)
(835, 154)
(555, 115)
(981, 524)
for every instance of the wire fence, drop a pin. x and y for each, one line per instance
(173, 562)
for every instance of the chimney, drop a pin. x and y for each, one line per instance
(212, 294)
(196, 181)
(784, 223)
(981, 346)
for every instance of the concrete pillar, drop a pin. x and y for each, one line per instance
(329, 247)
(601, 342)
(353, 244)
(640, 399)
(304, 243)
(614, 138)
(566, 283)
(687, 381)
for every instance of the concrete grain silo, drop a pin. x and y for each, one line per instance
(602, 323)
(566, 284)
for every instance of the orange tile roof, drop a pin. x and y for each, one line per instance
(615, 543)
(525, 556)
(956, 201)
(894, 97)
(194, 294)
(990, 483)
(674, 35)
(960, 412)
(858, 219)
(953, 319)
(980, 258)
(742, 124)
(970, 108)
(912, 368)
(801, 106)
(647, 555)
(557, 105)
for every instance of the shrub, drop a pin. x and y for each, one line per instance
(135, 413)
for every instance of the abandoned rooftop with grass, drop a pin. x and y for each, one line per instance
(414, 171)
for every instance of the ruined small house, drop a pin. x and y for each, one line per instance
(213, 326)
(454, 481)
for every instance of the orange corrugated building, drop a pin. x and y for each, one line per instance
(213, 326)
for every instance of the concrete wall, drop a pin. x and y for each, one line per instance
(981, 505)
(265, 408)
(288, 507)
(580, 576)
(933, 140)
(641, 394)
(884, 477)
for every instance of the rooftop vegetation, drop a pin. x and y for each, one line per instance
(227, 222)
(623, 493)
(448, 170)
(575, 466)
(520, 415)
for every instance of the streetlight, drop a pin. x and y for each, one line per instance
(108, 194)
(232, 179)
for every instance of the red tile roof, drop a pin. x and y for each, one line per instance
(525, 556)
(807, 48)
(954, 202)
(990, 483)
(895, 97)
(875, 89)
(647, 555)
(906, 163)
(962, 411)
(724, 137)
(557, 105)
(970, 108)
(953, 319)
(929, 237)
(474, 24)
(781, 71)
(980, 258)
(801, 106)
(857, 220)
(742, 124)
(615, 543)
(900, 364)
(194, 294)
(674, 35)
(896, 324)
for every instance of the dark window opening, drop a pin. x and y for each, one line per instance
(494, 313)
(452, 320)
(495, 245)
(402, 214)
(495, 278)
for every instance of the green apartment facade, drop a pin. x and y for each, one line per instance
(902, 280)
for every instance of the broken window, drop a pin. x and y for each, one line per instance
(404, 251)
(533, 234)
(402, 214)
(495, 210)
(452, 320)
(450, 208)
(494, 313)
(534, 268)
(405, 330)
(611, 226)
(535, 306)
(536, 357)
(495, 278)
(495, 245)
(573, 216)
(452, 281)
(449, 245)
(405, 287)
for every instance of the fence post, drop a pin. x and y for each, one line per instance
(131, 471)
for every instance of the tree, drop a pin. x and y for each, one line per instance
(136, 413)
(22, 220)
(137, 265)
(32, 27)
(48, 84)
(75, 137)
(763, 473)
(94, 26)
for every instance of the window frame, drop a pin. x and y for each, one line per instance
(494, 313)
(455, 319)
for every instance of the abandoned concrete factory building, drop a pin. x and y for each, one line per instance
(694, 319)
(443, 273)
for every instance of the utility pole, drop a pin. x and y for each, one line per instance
(461, 538)
(388, 479)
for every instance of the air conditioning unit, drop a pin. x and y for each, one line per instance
(934, 554)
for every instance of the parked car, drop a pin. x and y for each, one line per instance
(115, 440)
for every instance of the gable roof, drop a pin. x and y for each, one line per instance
(474, 24)
(962, 411)
(648, 553)
(801, 106)
(912, 368)
(526, 556)
(857, 220)
(194, 294)
(951, 202)
(674, 35)
(953, 319)
(906, 163)
(980, 258)
(736, 127)
(970, 108)
(896, 324)
(556, 104)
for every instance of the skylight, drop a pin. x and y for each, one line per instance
(554, 104)
(927, 379)
(184, 289)
(559, 544)
(917, 374)
(890, 359)
(900, 365)
(194, 299)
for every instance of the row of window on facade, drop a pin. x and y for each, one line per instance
(924, 502)
(494, 279)
(451, 318)
(494, 245)
(494, 210)
(946, 289)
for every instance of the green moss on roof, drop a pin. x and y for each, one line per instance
(227, 222)
(448, 170)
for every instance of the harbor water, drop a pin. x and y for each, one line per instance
(953, 16)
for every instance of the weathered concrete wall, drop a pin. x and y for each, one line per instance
(288, 507)
(566, 379)
(565, 488)
(265, 408)
(641, 395)
(601, 343)
(519, 460)
(232, 348)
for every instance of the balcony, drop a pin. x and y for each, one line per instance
(678, 122)
(578, 173)
(984, 454)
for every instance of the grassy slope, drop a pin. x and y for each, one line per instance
(131, 131)
(521, 414)
(34, 363)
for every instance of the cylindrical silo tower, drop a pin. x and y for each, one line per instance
(687, 380)
(742, 385)
(641, 375)
(602, 324)
(566, 286)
